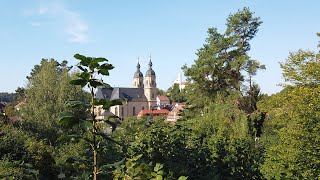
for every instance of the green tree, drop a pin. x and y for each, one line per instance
(291, 131)
(93, 127)
(7, 97)
(175, 94)
(46, 92)
(20, 94)
(161, 92)
(221, 59)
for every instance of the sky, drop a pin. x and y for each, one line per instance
(122, 31)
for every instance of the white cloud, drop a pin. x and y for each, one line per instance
(75, 27)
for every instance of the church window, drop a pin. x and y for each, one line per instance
(134, 111)
(122, 111)
(152, 95)
(116, 111)
(135, 83)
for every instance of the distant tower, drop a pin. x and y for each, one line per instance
(150, 87)
(138, 78)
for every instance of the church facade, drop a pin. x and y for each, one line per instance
(142, 96)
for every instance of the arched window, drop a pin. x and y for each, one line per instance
(135, 83)
(134, 111)
(122, 111)
(147, 82)
(142, 108)
(116, 111)
(152, 96)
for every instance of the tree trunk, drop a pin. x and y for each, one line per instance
(95, 169)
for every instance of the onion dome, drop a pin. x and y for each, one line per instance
(150, 71)
(138, 73)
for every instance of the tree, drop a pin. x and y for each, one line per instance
(20, 94)
(175, 94)
(160, 92)
(302, 67)
(46, 92)
(221, 59)
(291, 132)
(89, 67)
(7, 97)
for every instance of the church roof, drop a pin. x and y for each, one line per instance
(163, 98)
(129, 94)
(138, 73)
(150, 71)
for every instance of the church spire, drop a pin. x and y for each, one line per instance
(138, 65)
(150, 63)
(138, 77)
(150, 71)
(138, 73)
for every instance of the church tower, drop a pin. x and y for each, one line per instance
(138, 78)
(150, 87)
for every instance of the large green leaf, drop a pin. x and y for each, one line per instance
(85, 61)
(104, 69)
(108, 104)
(85, 76)
(82, 69)
(99, 101)
(106, 66)
(103, 72)
(99, 59)
(183, 178)
(67, 119)
(116, 164)
(95, 83)
(80, 82)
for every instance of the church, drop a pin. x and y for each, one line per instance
(142, 96)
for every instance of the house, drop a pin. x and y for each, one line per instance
(179, 81)
(162, 101)
(142, 96)
(175, 113)
(19, 105)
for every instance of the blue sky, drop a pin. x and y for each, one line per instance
(170, 30)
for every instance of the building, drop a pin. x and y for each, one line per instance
(179, 81)
(142, 96)
(162, 101)
(175, 113)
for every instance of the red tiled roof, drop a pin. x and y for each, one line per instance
(154, 112)
(163, 98)
(19, 104)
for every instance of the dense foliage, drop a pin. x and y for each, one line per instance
(7, 97)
